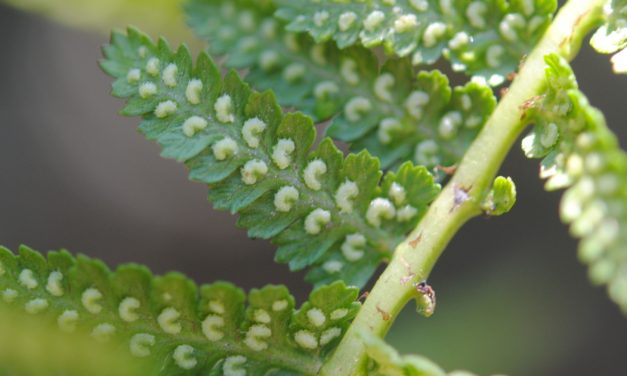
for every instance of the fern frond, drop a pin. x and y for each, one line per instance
(581, 154)
(423, 119)
(177, 327)
(320, 208)
(611, 37)
(485, 38)
(386, 361)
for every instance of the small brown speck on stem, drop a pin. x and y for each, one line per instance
(386, 316)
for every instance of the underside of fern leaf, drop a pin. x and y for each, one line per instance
(392, 112)
(172, 325)
(611, 37)
(333, 213)
(580, 153)
(486, 38)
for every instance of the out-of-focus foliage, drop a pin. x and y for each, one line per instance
(612, 36)
(159, 16)
(579, 152)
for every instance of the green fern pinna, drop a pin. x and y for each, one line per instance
(424, 161)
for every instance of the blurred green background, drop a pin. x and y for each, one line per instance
(512, 297)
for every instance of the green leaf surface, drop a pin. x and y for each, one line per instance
(168, 322)
(386, 361)
(391, 111)
(324, 211)
(485, 38)
(611, 37)
(580, 153)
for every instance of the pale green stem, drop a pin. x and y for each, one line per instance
(415, 257)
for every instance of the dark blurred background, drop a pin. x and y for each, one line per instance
(512, 297)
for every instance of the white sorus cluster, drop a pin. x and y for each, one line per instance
(385, 127)
(316, 317)
(306, 339)
(447, 7)
(247, 20)
(165, 108)
(252, 130)
(169, 75)
(282, 153)
(294, 72)
(509, 24)
(405, 23)
(193, 90)
(380, 208)
(427, 153)
(54, 286)
(168, 320)
(212, 324)
(346, 20)
(127, 308)
(256, 335)
(549, 135)
(233, 366)
(142, 51)
(285, 198)
(103, 332)
(348, 70)
(373, 20)
(397, 193)
(415, 103)
(67, 321)
(466, 102)
(317, 54)
(147, 89)
(329, 335)
(356, 108)
(36, 306)
(459, 40)
(253, 170)
(224, 148)
(320, 18)
(339, 314)
(279, 305)
(268, 60)
(383, 85)
(333, 266)
(27, 279)
(268, 28)
(184, 357)
(141, 343)
(419, 5)
(345, 196)
(353, 247)
(312, 173)
(133, 75)
(449, 124)
(493, 55)
(90, 298)
(325, 89)
(316, 220)
(262, 316)
(194, 124)
(475, 13)
(224, 109)
(433, 33)
(406, 213)
(152, 66)
(9, 295)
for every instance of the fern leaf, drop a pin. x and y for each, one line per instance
(321, 209)
(422, 119)
(386, 361)
(581, 154)
(178, 327)
(486, 38)
(611, 37)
